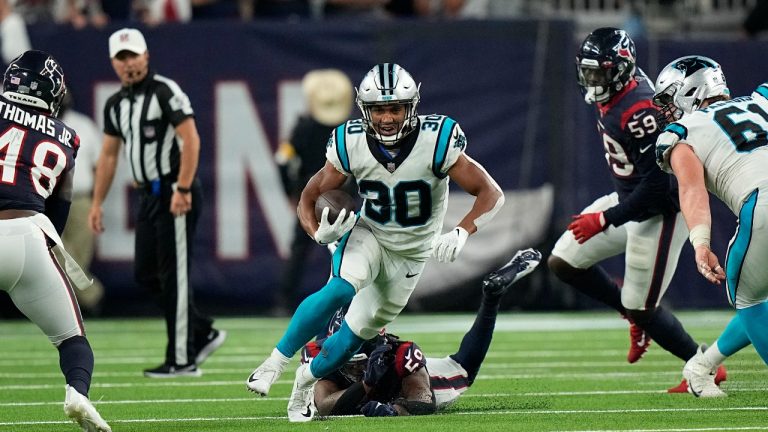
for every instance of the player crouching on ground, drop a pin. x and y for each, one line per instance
(392, 377)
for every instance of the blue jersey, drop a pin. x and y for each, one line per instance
(627, 124)
(37, 157)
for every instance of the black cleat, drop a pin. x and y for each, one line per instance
(523, 263)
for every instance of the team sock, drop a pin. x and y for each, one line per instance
(596, 283)
(76, 362)
(668, 332)
(474, 345)
(733, 338)
(313, 314)
(337, 349)
(755, 322)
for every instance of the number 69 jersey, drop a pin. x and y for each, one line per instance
(405, 195)
(730, 139)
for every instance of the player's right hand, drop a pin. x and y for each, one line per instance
(95, 216)
(330, 232)
(378, 365)
(708, 265)
(377, 409)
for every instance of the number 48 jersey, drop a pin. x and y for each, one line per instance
(405, 195)
(730, 139)
(36, 152)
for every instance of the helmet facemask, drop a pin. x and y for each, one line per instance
(605, 64)
(354, 369)
(384, 85)
(684, 84)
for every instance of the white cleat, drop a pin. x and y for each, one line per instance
(301, 405)
(701, 376)
(79, 408)
(261, 380)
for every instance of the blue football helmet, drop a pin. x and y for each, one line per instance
(35, 79)
(606, 63)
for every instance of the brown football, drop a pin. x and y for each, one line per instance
(335, 199)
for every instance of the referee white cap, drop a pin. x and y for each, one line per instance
(127, 39)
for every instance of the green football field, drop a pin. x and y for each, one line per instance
(544, 372)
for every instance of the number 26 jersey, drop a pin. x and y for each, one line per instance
(406, 194)
(729, 138)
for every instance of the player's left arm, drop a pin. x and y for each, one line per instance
(181, 202)
(694, 203)
(475, 180)
(57, 205)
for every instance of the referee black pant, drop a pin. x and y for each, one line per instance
(163, 253)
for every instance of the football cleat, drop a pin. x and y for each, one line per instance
(700, 375)
(720, 376)
(261, 380)
(214, 340)
(301, 404)
(639, 341)
(522, 264)
(81, 411)
(166, 370)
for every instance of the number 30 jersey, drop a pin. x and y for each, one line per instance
(405, 195)
(36, 152)
(729, 138)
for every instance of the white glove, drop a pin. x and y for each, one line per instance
(330, 232)
(448, 246)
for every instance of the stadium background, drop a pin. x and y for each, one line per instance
(509, 83)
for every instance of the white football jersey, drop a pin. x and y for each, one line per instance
(730, 139)
(405, 196)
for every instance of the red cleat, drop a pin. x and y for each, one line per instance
(720, 376)
(639, 343)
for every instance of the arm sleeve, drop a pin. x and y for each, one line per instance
(652, 189)
(57, 205)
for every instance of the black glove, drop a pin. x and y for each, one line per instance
(378, 365)
(378, 409)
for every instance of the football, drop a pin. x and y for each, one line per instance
(335, 199)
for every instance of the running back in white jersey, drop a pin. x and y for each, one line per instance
(730, 139)
(405, 196)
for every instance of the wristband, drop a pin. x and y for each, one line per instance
(700, 235)
(179, 189)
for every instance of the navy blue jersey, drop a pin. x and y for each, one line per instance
(627, 124)
(37, 158)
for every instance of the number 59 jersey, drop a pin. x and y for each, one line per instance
(36, 152)
(729, 138)
(405, 195)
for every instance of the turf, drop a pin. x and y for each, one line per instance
(544, 372)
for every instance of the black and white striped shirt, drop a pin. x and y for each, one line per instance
(145, 115)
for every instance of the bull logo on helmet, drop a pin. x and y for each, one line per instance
(623, 49)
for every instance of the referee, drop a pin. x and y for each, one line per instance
(153, 117)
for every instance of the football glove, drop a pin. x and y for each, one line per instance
(377, 409)
(379, 363)
(586, 225)
(448, 246)
(330, 232)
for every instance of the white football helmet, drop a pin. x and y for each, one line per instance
(685, 83)
(388, 83)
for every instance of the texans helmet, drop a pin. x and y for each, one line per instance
(385, 84)
(687, 82)
(606, 63)
(35, 79)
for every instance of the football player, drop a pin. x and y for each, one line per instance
(390, 377)
(641, 218)
(402, 162)
(720, 145)
(38, 159)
